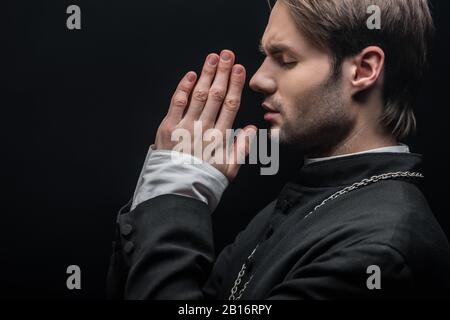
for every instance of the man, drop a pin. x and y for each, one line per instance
(351, 224)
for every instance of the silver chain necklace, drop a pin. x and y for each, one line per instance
(356, 185)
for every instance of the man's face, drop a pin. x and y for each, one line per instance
(295, 77)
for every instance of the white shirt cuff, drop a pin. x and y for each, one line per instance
(173, 172)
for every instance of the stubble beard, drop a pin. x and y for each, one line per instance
(319, 122)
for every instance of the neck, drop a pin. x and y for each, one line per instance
(362, 138)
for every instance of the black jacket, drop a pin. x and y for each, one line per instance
(164, 248)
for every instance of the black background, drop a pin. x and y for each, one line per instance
(81, 107)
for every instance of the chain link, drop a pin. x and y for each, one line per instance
(356, 185)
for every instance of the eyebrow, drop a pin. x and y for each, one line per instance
(273, 48)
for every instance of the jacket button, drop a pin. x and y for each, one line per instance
(283, 205)
(126, 229)
(129, 246)
(269, 232)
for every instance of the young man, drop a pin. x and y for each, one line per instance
(352, 223)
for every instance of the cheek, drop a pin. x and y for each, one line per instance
(299, 84)
(293, 90)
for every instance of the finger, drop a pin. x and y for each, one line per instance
(241, 148)
(180, 98)
(201, 90)
(232, 101)
(219, 87)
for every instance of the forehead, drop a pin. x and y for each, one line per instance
(282, 32)
(281, 26)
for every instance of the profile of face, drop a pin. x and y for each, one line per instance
(310, 107)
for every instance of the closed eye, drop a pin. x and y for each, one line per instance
(279, 60)
(288, 64)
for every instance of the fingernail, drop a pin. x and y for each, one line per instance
(226, 56)
(238, 70)
(212, 60)
(191, 77)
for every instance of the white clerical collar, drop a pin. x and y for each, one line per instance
(400, 148)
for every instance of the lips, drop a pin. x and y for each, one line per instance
(268, 108)
(271, 112)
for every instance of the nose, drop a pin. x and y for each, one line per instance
(263, 81)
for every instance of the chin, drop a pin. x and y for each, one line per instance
(274, 127)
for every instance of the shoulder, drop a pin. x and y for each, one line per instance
(391, 202)
(396, 214)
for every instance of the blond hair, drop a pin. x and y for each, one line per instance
(405, 37)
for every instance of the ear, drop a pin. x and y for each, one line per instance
(367, 68)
